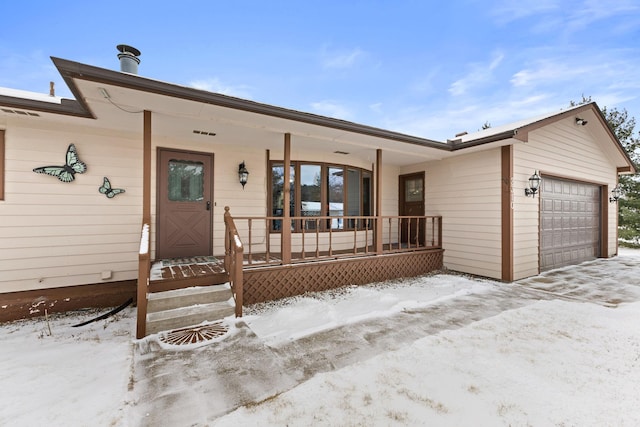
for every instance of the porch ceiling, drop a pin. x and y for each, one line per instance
(177, 118)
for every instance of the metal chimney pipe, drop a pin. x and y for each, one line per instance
(128, 57)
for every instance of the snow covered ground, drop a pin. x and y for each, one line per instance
(565, 361)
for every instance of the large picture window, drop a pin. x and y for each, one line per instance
(321, 190)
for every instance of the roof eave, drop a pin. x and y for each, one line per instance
(73, 70)
(457, 144)
(69, 107)
(522, 134)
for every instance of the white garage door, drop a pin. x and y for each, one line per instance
(570, 223)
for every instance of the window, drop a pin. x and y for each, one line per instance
(335, 199)
(310, 190)
(1, 164)
(322, 190)
(277, 192)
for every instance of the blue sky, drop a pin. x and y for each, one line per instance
(425, 68)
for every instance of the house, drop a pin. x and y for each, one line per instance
(151, 179)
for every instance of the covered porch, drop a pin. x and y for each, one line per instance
(284, 253)
(262, 265)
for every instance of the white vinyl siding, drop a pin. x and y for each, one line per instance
(465, 191)
(565, 150)
(55, 234)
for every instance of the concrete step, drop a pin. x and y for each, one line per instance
(168, 300)
(187, 316)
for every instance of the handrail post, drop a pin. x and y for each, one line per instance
(238, 284)
(234, 258)
(144, 268)
(144, 257)
(227, 241)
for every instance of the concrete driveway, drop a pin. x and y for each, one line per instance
(192, 388)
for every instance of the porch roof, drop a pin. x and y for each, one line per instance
(116, 99)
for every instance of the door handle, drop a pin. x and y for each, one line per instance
(208, 206)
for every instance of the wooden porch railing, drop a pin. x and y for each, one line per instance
(233, 259)
(321, 237)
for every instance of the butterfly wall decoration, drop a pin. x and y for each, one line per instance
(106, 189)
(66, 173)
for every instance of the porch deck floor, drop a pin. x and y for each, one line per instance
(169, 274)
(177, 273)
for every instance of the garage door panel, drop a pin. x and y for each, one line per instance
(570, 223)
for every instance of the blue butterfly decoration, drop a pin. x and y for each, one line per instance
(108, 191)
(66, 173)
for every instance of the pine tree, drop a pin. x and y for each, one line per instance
(623, 127)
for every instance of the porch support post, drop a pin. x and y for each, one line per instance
(285, 243)
(379, 224)
(507, 212)
(604, 223)
(144, 259)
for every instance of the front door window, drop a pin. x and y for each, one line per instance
(186, 181)
(413, 189)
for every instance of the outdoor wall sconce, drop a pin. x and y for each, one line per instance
(581, 122)
(534, 184)
(616, 193)
(243, 174)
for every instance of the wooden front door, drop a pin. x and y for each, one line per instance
(412, 204)
(184, 214)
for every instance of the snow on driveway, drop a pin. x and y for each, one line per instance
(562, 348)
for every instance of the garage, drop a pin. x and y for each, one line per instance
(570, 222)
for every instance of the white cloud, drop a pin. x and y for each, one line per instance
(376, 108)
(479, 74)
(596, 10)
(342, 60)
(508, 10)
(331, 109)
(215, 85)
(442, 122)
(544, 71)
(606, 69)
(567, 16)
(427, 83)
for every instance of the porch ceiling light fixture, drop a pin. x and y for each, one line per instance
(243, 174)
(616, 193)
(581, 122)
(534, 185)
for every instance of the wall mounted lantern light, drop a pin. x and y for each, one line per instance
(616, 193)
(534, 184)
(243, 174)
(581, 122)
